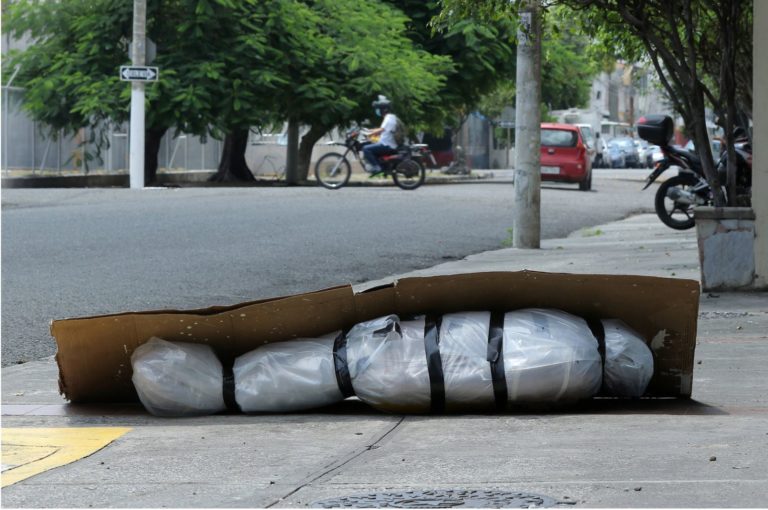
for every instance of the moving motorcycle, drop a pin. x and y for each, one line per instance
(677, 196)
(333, 170)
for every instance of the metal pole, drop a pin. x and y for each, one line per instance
(137, 96)
(526, 232)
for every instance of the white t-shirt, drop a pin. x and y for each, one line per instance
(388, 135)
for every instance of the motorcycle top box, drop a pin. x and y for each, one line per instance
(656, 129)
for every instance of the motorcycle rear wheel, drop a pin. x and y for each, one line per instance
(674, 214)
(409, 174)
(333, 170)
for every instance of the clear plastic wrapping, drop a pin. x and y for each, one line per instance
(547, 356)
(628, 360)
(388, 366)
(287, 376)
(178, 379)
(464, 355)
(550, 356)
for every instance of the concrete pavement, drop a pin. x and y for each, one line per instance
(709, 451)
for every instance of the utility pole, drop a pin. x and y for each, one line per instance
(138, 57)
(526, 231)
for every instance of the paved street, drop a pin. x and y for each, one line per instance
(709, 451)
(75, 252)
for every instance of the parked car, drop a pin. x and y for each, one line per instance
(627, 145)
(590, 141)
(652, 155)
(602, 154)
(616, 157)
(564, 155)
(640, 146)
(716, 145)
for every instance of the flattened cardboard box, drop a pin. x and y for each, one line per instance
(94, 352)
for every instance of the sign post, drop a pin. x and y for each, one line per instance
(137, 95)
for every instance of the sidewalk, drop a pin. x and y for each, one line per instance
(710, 451)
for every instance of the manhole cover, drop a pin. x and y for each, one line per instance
(448, 498)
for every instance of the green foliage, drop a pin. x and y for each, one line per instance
(568, 65)
(70, 73)
(224, 64)
(481, 53)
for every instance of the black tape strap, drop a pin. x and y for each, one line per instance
(434, 362)
(229, 387)
(596, 325)
(343, 378)
(392, 325)
(496, 359)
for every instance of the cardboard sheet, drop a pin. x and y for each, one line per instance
(94, 352)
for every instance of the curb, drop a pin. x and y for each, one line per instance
(200, 179)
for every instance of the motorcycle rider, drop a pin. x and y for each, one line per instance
(387, 143)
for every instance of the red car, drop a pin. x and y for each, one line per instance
(564, 155)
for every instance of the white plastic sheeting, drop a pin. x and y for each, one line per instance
(178, 379)
(287, 376)
(550, 356)
(547, 356)
(628, 360)
(389, 371)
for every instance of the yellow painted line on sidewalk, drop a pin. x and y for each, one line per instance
(30, 451)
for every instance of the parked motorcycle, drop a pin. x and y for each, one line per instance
(333, 170)
(677, 196)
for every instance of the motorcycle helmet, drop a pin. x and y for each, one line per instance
(382, 105)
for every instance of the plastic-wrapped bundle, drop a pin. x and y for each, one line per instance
(458, 361)
(549, 356)
(178, 379)
(287, 376)
(387, 364)
(628, 360)
(464, 354)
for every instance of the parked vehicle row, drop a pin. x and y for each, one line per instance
(618, 152)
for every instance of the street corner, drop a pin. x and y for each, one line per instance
(27, 452)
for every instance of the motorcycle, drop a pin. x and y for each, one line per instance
(334, 170)
(677, 196)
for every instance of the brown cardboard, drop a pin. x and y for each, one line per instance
(94, 352)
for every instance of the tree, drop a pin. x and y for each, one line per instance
(568, 64)
(70, 72)
(680, 37)
(348, 53)
(481, 51)
(226, 66)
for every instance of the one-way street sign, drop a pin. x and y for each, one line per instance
(139, 73)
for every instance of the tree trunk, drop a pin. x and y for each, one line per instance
(292, 153)
(703, 148)
(306, 146)
(232, 166)
(152, 139)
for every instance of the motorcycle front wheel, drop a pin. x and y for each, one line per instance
(333, 170)
(409, 174)
(672, 213)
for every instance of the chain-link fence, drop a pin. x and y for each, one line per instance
(29, 148)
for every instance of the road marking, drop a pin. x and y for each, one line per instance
(30, 451)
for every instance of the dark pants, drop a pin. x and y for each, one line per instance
(372, 151)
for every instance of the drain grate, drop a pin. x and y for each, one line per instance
(447, 498)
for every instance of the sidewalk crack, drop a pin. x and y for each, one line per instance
(335, 466)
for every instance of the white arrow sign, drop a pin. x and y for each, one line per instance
(139, 73)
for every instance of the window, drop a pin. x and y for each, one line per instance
(558, 138)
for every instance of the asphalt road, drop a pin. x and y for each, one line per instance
(77, 252)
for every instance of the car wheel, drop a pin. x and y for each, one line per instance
(586, 184)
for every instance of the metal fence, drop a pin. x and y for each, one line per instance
(29, 148)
